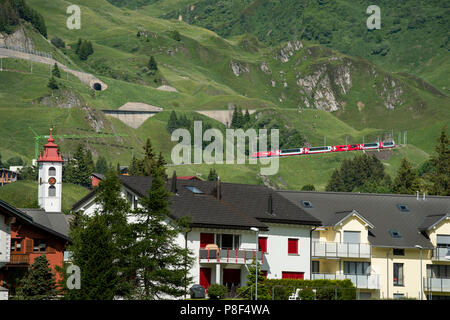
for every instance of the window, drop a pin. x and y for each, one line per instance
(39, 245)
(306, 204)
(352, 236)
(438, 271)
(262, 244)
(228, 241)
(52, 171)
(443, 240)
(205, 239)
(398, 296)
(292, 246)
(16, 245)
(398, 274)
(315, 267)
(395, 234)
(194, 190)
(403, 207)
(292, 275)
(399, 252)
(356, 267)
(52, 191)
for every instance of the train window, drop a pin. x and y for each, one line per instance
(318, 148)
(353, 146)
(290, 150)
(368, 145)
(388, 143)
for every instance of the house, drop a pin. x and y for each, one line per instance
(390, 246)
(95, 179)
(231, 225)
(28, 233)
(7, 176)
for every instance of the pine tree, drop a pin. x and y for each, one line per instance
(440, 176)
(152, 65)
(149, 161)
(39, 283)
(94, 253)
(77, 48)
(247, 117)
(407, 180)
(160, 263)
(212, 176)
(52, 84)
(172, 125)
(234, 119)
(55, 71)
(101, 166)
(336, 183)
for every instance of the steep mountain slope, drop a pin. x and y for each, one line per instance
(320, 92)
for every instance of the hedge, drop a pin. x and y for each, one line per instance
(325, 289)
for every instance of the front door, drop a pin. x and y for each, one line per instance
(205, 277)
(232, 280)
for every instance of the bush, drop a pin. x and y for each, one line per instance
(58, 42)
(217, 291)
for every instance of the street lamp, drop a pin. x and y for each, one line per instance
(421, 279)
(256, 230)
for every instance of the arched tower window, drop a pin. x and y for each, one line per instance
(52, 191)
(52, 171)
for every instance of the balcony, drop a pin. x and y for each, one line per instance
(437, 284)
(361, 281)
(340, 250)
(440, 254)
(229, 256)
(19, 259)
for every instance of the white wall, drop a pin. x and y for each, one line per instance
(5, 241)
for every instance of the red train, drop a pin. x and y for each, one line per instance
(326, 149)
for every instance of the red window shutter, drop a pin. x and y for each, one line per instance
(28, 245)
(292, 246)
(264, 272)
(205, 239)
(262, 243)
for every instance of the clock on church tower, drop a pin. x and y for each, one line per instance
(50, 177)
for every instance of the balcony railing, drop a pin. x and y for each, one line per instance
(19, 259)
(441, 254)
(340, 250)
(361, 281)
(437, 284)
(229, 256)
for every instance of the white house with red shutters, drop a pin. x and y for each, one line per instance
(232, 224)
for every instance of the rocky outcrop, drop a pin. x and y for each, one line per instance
(289, 50)
(62, 99)
(265, 68)
(318, 88)
(239, 68)
(18, 39)
(391, 92)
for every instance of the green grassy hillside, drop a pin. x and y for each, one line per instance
(24, 194)
(322, 93)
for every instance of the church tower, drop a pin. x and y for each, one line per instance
(50, 177)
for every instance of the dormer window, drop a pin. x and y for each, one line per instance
(306, 204)
(395, 234)
(194, 190)
(403, 207)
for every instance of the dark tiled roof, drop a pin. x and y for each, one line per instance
(431, 220)
(55, 223)
(380, 210)
(241, 205)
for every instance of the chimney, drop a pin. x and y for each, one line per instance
(173, 188)
(218, 189)
(270, 204)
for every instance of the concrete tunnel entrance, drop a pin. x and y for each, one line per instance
(97, 86)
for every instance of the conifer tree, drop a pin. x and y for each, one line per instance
(212, 176)
(55, 71)
(172, 125)
(77, 48)
(52, 84)
(440, 176)
(407, 180)
(39, 283)
(101, 166)
(336, 183)
(93, 251)
(152, 65)
(160, 263)
(247, 117)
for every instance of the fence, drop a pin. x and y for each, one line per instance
(26, 50)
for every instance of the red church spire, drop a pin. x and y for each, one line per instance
(51, 153)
